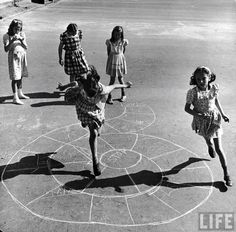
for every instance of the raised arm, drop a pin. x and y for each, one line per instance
(110, 88)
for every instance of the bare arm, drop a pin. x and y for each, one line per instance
(193, 112)
(8, 43)
(60, 47)
(218, 105)
(110, 88)
(188, 109)
(108, 50)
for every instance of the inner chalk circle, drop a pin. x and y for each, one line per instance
(120, 158)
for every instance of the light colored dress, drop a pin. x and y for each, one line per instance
(204, 102)
(116, 62)
(91, 110)
(17, 62)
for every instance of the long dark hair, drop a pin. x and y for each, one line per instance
(90, 84)
(117, 29)
(202, 70)
(14, 23)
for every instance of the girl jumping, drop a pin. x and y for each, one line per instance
(207, 114)
(90, 102)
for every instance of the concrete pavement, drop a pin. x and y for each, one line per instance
(147, 148)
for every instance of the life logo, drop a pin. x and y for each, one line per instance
(222, 221)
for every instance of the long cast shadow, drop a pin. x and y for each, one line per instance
(37, 165)
(37, 95)
(42, 164)
(146, 177)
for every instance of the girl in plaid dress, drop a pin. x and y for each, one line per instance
(90, 102)
(75, 64)
(207, 113)
(116, 62)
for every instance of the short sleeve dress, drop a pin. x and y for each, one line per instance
(204, 102)
(116, 62)
(17, 61)
(75, 62)
(91, 110)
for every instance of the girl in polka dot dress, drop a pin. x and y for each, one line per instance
(207, 113)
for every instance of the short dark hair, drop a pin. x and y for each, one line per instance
(72, 28)
(90, 84)
(202, 69)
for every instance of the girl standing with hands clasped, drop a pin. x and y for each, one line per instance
(116, 62)
(207, 113)
(75, 64)
(90, 98)
(15, 44)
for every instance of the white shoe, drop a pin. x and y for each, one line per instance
(123, 99)
(17, 101)
(21, 95)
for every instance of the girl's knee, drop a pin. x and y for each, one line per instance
(93, 132)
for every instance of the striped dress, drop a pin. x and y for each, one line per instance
(116, 62)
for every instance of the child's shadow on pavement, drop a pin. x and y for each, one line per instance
(146, 177)
(37, 95)
(36, 165)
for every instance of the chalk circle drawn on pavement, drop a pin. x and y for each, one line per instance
(146, 180)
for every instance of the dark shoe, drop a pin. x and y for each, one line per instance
(211, 152)
(96, 170)
(228, 181)
(110, 101)
(60, 87)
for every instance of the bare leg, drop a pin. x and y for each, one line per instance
(109, 98)
(210, 145)
(72, 78)
(20, 92)
(121, 81)
(223, 161)
(14, 85)
(93, 146)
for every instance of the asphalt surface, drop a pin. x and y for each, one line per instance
(167, 41)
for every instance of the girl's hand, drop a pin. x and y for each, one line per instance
(226, 119)
(61, 62)
(128, 84)
(80, 34)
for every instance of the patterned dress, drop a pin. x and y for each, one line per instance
(91, 110)
(74, 62)
(17, 62)
(204, 102)
(116, 62)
